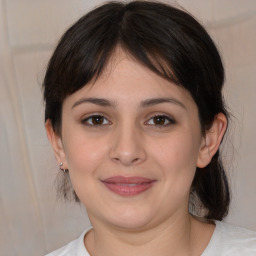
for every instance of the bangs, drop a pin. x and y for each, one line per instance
(169, 42)
(89, 47)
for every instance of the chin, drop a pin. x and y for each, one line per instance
(131, 224)
(131, 219)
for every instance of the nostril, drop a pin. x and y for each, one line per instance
(135, 160)
(126, 161)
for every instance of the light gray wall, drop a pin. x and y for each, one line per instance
(32, 222)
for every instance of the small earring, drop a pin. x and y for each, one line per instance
(64, 170)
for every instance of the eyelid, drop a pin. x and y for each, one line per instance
(89, 116)
(85, 119)
(169, 118)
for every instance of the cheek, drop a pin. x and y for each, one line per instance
(178, 149)
(177, 158)
(84, 158)
(84, 153)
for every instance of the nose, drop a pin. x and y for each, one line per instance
(127, 146)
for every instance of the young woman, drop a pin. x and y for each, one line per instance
(135, 115)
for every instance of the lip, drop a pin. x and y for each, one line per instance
(128, 186)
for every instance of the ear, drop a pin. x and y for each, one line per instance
(56, 143)
(211, 141)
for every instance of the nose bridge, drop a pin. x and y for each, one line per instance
(127, 145)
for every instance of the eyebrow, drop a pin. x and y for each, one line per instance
(145, 103)
(155, 101)
(97, 101)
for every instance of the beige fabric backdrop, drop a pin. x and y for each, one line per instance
(32, 222)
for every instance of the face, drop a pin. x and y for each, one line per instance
(131, 142)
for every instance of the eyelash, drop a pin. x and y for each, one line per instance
(86, 121)
(166, 118)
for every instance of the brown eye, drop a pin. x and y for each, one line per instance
(160, 120)
(95, 120)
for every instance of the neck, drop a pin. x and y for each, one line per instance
(171, 237)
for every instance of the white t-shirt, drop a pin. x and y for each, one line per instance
(226, 240)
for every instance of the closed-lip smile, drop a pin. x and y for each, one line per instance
(128, 186)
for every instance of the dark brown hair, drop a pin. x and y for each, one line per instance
(168, 41)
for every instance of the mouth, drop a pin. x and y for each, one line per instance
(128, 186)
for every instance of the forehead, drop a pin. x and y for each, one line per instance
(124, 79)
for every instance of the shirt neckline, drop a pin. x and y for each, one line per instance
(81, 248)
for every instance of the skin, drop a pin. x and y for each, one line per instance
(129, 141)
